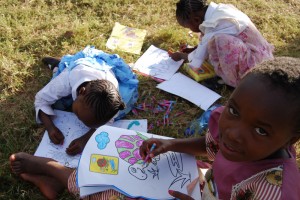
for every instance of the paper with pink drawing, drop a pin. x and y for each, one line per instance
(73, 128)
(111, 160)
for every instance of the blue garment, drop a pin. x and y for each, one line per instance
(200, 125)
(128, 83)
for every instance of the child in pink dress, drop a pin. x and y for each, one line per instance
(230, 41)
(250, 141)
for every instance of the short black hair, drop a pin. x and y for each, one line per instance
(104, 99)
(185, 8)
(283, 73)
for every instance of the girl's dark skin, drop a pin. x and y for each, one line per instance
(255, 125)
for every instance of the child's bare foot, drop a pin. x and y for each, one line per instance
(50, 187)
(26, 163)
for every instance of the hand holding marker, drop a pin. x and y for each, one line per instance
(148, 155)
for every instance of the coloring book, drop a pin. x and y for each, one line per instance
(126, 39)
(73, 128)
(111, 159)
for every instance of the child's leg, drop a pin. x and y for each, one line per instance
(49, 186)
(23, 163)
(229, 55)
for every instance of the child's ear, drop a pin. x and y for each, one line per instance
(82, 91)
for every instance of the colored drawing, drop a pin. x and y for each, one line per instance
(104, 164)
(120, 167)
(128, 147)
(102, 140)
(126, 39)
(137, 123)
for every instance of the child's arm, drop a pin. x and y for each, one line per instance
(77, 145)
(194, 146)
(54, 133)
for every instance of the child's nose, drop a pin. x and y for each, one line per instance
(234, 134)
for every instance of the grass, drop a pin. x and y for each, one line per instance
(32, 29)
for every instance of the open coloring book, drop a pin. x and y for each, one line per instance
(111, 160)
(73, 128)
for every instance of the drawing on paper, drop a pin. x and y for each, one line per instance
(102, 140)
(176, 168)
(157, 63)
(104, 164)
(126, 39)
(136, 123)
(128, 149)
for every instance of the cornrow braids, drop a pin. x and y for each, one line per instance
(104, 99)
(185, 8)
(283, 73)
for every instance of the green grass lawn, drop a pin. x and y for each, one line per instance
(32, 29)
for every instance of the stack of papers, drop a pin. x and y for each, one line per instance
(111, 160)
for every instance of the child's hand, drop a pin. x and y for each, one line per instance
(77, 145)
(162, 146)
(56, 135)
(179, 195)
(187, 50)
(178, 56)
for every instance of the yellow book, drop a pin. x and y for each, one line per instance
(204, 72)
(126, 39)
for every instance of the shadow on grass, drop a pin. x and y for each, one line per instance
(19, 131)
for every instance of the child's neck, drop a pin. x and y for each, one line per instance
(281, 153)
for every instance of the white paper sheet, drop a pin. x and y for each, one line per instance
(157, 63)
(111, 159)
(190, 90)
(73, 128)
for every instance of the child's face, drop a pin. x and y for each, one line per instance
(85, 113)
(191, 24)
(256, 123)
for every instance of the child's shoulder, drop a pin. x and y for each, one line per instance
(281, 182)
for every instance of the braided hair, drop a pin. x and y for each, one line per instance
(185, 8)
(104, 99)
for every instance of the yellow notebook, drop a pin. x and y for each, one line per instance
(204, 72)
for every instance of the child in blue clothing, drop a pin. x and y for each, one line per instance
(99, 87)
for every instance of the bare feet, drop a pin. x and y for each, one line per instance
(26, 163)
(23, 163)
(49, 186)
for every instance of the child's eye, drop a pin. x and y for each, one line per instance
(261, 131)
(232, 111)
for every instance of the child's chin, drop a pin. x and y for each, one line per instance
(232, 158)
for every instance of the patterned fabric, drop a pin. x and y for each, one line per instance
(97, 59)
(232, 56)
(106, 195)
(264, 185)
(212, 147)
